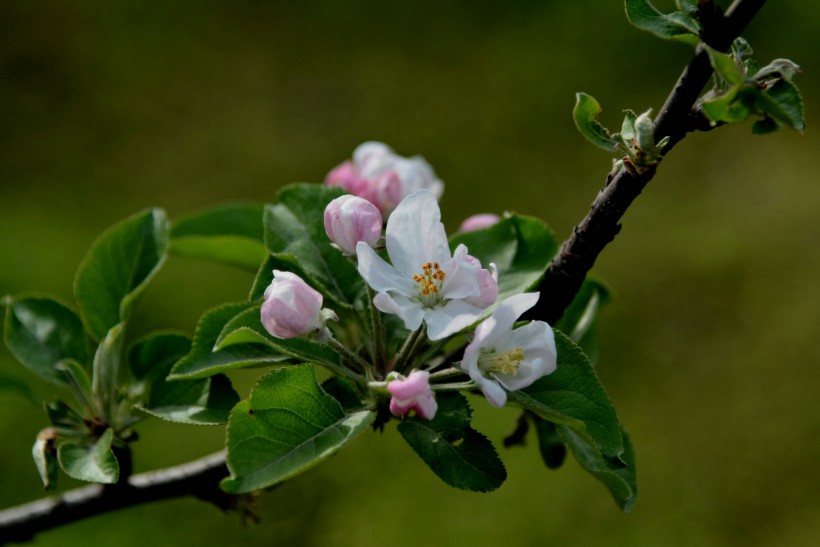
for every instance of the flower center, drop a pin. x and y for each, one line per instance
(504, 363)
(429, 283)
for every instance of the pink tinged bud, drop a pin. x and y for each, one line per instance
(477, 222)
(350, 219)
(413, 393)
(487, 284)
(292, 308)
(386, 192)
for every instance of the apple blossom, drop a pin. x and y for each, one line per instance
(412, 393)
(292, 308)
(350, 219)
(382, 177)
(502, 358)
(424, 282)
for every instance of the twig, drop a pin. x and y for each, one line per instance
(199, 478)
(568, 269)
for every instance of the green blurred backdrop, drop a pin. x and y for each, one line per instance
(709, 352)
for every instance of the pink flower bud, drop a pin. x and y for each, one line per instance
(487, 284)
(413, 393)
(350, 219)
(477, 222)
(291, 308)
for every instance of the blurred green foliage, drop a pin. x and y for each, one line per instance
(709, 350)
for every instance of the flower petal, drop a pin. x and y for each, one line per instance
(408, 310)
(505, 315)
(492, 391)
(380, 275)
(462, 276)
(442, 321)
(415, 234)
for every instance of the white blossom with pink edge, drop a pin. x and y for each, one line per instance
(412, 393)
(350, 219)
(424, 282)
(382, 177)
(502, 358)
(292, 308)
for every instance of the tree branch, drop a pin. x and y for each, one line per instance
(199, 478)
(568, 269)
(561, 282)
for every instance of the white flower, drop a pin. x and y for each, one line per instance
(425, 282)
(502, 358)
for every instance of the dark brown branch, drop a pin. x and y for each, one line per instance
(199, 478)
(568, 269)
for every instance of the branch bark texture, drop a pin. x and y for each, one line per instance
(578, 253)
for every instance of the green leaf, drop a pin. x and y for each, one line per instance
(264, 277)
(618, 475)
(779, 68)
(676, 26)
(725, 66)
(79, 382)
(585, 114)
(460, 456)
(521, 247)
(202, 361)
(552, 448)
(289, 425)
(628, 126)
(199, 402)
(105, 380)
(343, 392)
(247, 328)
(117, 269)
(734, 106)
(765, 126)
(10, 383)
(65, 419)
(45, 458)
(150, 359)
(573, 396)
(581, 317)
(783, 103)
(295, 236)
(40, 332)
(231, 234)
(91, 462)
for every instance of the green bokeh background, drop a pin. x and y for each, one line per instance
(709, 352)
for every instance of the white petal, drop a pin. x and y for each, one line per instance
(462, 277)
(507, 313)
(408, 310)
(494, 393)
(415, 234)
(377, 273)
(442, 321)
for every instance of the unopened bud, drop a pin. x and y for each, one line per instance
(350, 219)
(292, 308)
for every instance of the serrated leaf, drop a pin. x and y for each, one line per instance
(230, 234)
(618, 475)
(45, 458)
(117, 269)
(783, 103)
(202, 361)
(460, 456)
(734, 106)
(106, 371)
(295, 236)
(198, 402)
(289, 425)
(40, 332)
(150, 359)
(521, 247)
(247, 328)
(765, 126)
(91, 462)
(677, 25)
(585, 114)
(573, 396)
(343, 392)
(725, 66)
(779, 68)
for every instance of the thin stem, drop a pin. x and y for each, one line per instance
(447, 373)
(400, 361)
(344, 352)
(410, 351)
(379, 350)
(461, 386)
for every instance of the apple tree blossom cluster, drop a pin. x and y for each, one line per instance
(434, 292)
